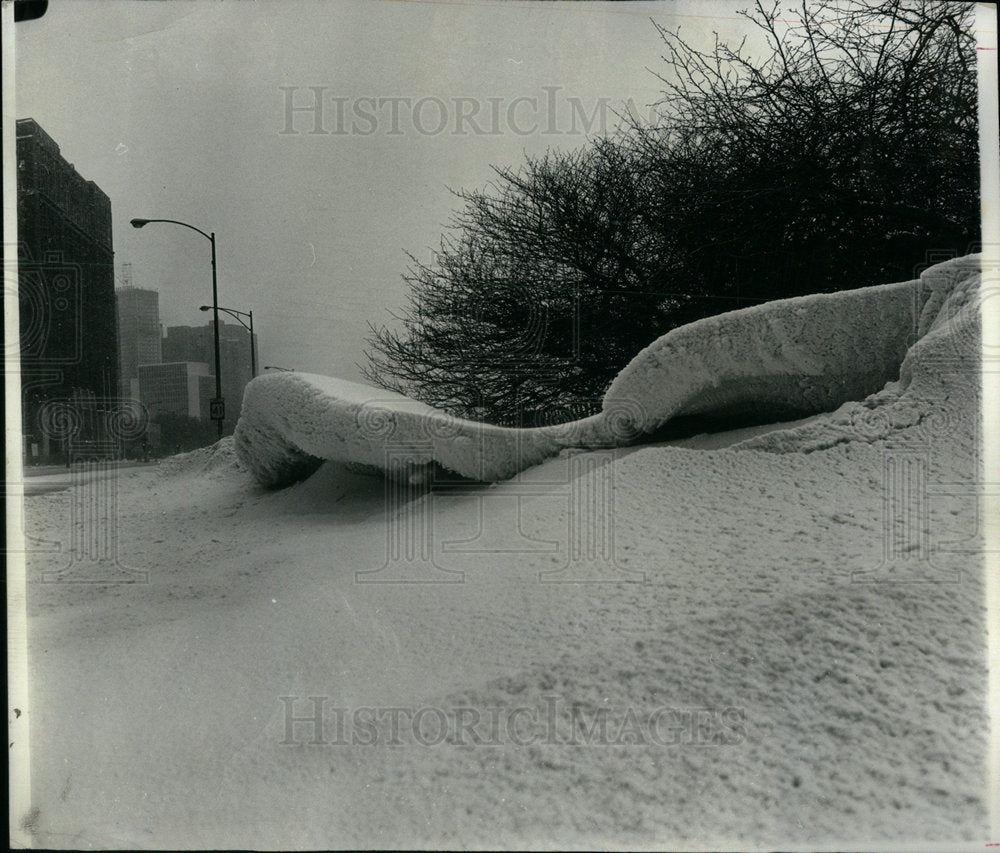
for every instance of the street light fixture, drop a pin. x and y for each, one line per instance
(282, 369)
(237, 314)
(217, 414)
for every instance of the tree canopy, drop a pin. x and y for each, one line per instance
(838, 158)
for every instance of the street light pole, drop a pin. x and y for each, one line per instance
(140, 223)
(215, 315)
(236, 315)
(253, 351)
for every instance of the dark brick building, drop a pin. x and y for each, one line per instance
(69, 349)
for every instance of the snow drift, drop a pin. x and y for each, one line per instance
(291, 422)
(781, 360)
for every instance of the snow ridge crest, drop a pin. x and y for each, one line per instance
(884, 346)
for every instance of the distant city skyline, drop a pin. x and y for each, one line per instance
(123, 285)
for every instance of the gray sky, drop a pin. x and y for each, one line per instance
(176, 110)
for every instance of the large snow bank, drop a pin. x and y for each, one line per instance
(291, 422)
(778, 360)
(787, 357)
(943, 365)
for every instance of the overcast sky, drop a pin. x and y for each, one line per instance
(179, 110)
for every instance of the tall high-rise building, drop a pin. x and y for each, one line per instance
(173, 388)
(140, 339)
(197, 344)
(66, 286)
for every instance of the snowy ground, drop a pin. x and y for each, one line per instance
(773, 638)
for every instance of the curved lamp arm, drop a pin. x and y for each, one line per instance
(232, 312)
(140, 223)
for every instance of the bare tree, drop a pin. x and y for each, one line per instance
(545, 281)
(837, 160)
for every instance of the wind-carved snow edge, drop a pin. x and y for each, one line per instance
(866, 348)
